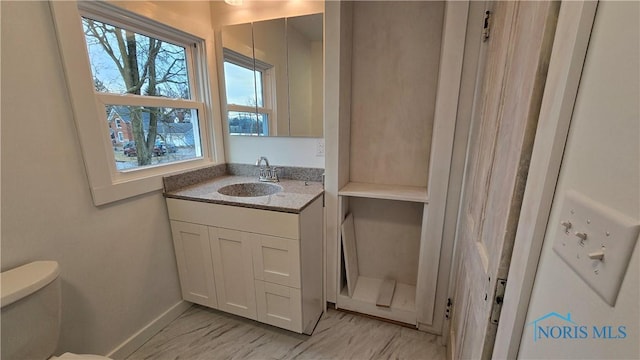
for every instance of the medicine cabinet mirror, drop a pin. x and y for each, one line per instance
(273, 77)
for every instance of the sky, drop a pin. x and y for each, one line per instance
(241, 85)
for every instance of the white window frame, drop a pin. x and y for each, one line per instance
(106, 182)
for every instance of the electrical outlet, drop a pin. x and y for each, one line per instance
(596, 242)
(320, 148)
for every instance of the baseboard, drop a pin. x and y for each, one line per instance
(143, 335)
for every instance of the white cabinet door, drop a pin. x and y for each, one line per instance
(195, 268)
(233, 269)
(276, 260)
(279, 306)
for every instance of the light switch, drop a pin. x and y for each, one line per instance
(596, 242)
(320, 147)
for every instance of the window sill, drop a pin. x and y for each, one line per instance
(142, 181)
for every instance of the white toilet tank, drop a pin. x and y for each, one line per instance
(30, 311)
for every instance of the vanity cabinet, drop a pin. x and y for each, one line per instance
(259, 264)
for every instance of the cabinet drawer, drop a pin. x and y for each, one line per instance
(279, 305)
(234, 217)
(276, 260)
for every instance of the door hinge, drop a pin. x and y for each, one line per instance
(498, 299)
(447, 312)
(486, 27)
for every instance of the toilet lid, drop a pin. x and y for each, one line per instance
(70, 356)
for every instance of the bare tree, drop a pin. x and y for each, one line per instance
(147, 66)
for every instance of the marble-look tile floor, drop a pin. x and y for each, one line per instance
(202, 333)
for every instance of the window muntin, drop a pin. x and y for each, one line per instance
(146, 81)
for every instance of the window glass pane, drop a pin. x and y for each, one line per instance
(123, 61)
(241, 85)
(177, 136)
(248, 123)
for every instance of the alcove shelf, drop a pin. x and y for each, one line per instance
(389, 192)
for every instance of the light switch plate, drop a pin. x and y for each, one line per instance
(607, 231)
(320, 147)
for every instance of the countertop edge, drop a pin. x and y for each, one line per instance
(245, 205)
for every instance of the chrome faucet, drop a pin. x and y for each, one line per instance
(266, 173)
(260, 159)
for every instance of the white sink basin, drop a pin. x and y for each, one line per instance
(250, 189)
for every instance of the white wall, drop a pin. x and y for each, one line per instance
(117, 262)
(284, 151)
(601, 160)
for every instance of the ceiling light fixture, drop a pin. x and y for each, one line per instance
(234, 2)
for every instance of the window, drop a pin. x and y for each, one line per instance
(248, 100)
(137, 89)
(131, 72)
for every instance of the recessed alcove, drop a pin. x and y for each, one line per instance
(394, 138)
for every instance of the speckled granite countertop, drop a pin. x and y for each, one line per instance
(293, 198)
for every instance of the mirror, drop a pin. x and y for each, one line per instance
(241, 81)
(270, 54)
(273, 76)
(306, 74)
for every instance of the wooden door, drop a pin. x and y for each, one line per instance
(195, 268)
(233, 270)
(501, 137)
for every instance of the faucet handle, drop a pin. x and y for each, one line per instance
(274, 174)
